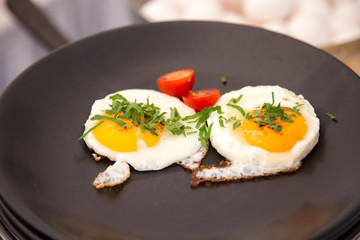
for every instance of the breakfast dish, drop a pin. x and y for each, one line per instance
(46, 172)
(143, 128)
(258, 134)
(264, 130)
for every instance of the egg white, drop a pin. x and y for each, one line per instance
(185, 150)
(245, 160)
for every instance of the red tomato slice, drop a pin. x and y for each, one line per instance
(177, 83)
(201, 99)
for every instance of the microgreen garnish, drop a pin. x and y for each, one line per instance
(223, 79)
(270, 112)
(233, 103)
(268, 115)
(88, 131)
(236, 122)
(235, 100)
(148, 116)
(237, 107)
(332, 117)
(101, 117)
(200, 119)
(174, 115)
(221, 121)
(177, 128)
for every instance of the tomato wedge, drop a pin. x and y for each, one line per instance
(201, 99)
(177, 83)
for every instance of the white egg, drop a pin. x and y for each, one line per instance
(248, 157)
(182, 4)
(278, 26)
(320, 8)
(203, 10)
(169, 148)
(344, 37)
(231, 17)
(345, 23)
(232, 5)
(264, 10)
(159, 10)
(312, 29)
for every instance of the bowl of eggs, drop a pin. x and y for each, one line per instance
(99, 139)
(332, 25)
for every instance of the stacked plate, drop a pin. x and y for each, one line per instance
(46, 173)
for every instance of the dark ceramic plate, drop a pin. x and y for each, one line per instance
(46, 173)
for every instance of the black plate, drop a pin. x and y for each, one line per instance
(46, 173)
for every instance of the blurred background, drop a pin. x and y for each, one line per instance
(31, 29)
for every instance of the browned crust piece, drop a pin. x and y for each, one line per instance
(105, 180)
(196, 181)
(195, 164)
(115, 174)
(97, 157)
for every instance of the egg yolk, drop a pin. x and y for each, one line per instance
(125, 138)
(275, 141)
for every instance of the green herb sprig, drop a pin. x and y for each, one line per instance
(148, 116)
(332, 117)
(268, 114)
(200, 119)
(236, 122)
(223, 79)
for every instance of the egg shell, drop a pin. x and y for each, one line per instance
(231, 17)
(278, 26)
(233, 5)
(312, 29)
(265, 10)
(182, 4)
(203, 10)
(320, 8)
(159, 10)
(345, 24)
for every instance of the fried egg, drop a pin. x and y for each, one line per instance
(251, 146)
(131, 145)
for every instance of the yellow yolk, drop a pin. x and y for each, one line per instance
(125, 138)
(271, 140)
